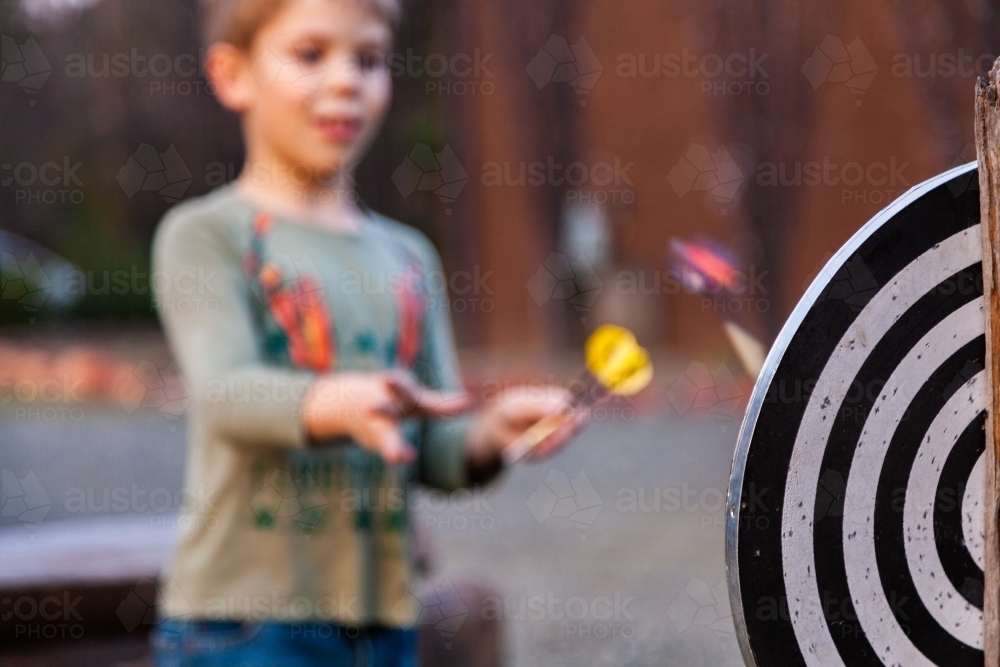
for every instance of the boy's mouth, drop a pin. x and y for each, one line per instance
(339, 129)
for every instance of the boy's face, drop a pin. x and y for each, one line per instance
(319, 87)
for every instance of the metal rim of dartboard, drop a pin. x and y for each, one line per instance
(899, 302)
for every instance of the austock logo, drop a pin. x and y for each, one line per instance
(970, 370)
(700, 388)
(878, 182)
(278, 62)
(600, 617)
(701, 606)
(286, 497)
(560, 279)
(25, 65)
(557, 496)
(24, 281)
(152, 388)
(838, 612)
(423, 169)
(559, 62)
(47, 182)
(969, 181)
(437, 604)
(853, 284)
(23, 499)
(835, 62)
(588, 182)
(830, 494)
(149, 170)
(732, 74)
(958, 64)
(141, 605)
(47, 617)
(470, 74)
(716, 173)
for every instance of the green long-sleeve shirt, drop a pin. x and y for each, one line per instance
(255, 306)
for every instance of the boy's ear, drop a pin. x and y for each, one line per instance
(228, 70)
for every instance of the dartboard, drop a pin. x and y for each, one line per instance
(855, 524)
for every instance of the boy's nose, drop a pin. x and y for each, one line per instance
(343, 77)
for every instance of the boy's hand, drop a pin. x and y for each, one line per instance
(369, 406)
(499, 424)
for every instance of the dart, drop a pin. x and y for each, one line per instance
(708, 268)
(616, 365)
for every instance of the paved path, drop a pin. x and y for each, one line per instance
(611, 553)
(632, 513)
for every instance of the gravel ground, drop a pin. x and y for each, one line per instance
(632, 512)
(610, 553)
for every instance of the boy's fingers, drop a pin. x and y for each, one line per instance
(562, 435)
(409, 396)
(401, 395)
(391, 444)
(435, 403)
(399, 453)
(521, 415)
(552, 402)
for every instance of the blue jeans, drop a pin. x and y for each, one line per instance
(179, 643)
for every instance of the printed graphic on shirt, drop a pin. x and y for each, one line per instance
(312, 491)
(411, 304)
(298, 305)
(306, 492)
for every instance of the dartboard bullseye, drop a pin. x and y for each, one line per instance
(855, 517)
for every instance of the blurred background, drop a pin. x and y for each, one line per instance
(558, 153)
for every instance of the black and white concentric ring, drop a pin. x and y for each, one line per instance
(945, 602)
(873, 610)
(856, 505)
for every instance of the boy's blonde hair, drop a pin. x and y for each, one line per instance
(238, 21)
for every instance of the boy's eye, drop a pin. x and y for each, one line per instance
(371, 61)
(309, 55)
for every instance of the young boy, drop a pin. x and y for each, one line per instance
(321, 362)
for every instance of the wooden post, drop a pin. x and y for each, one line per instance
(988, 151)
